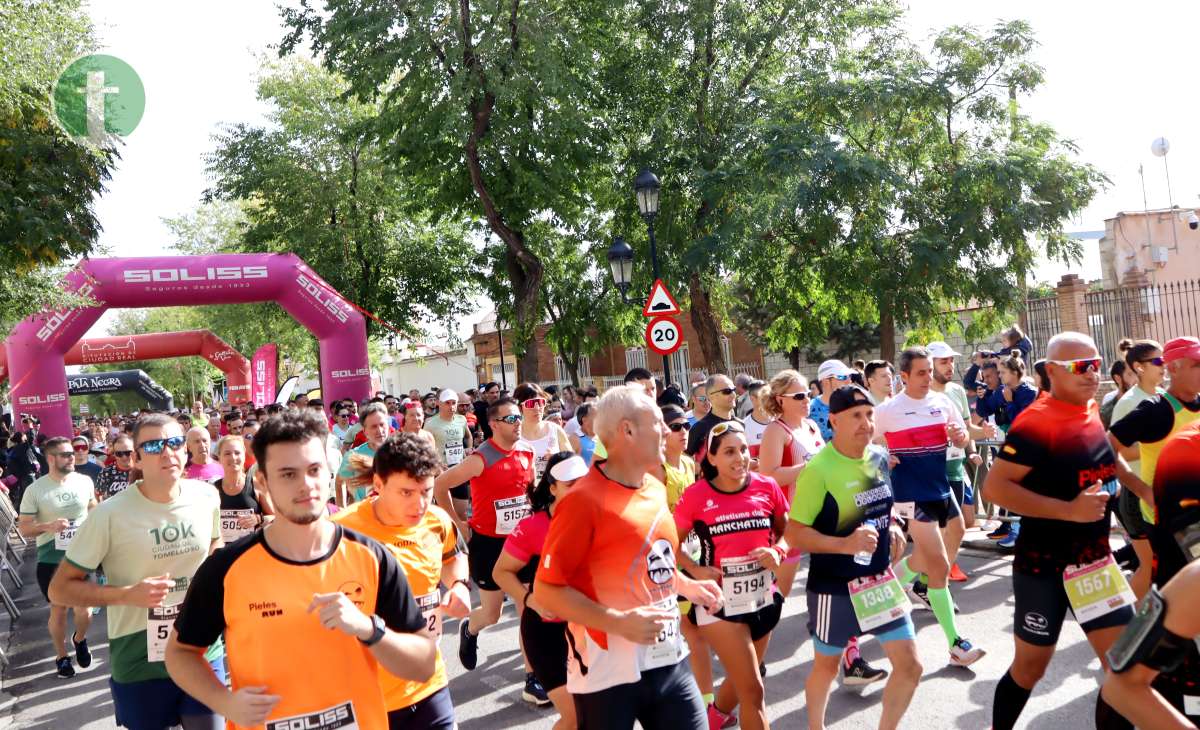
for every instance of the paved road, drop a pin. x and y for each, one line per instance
(489, 698)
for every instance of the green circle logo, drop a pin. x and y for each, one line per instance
(98, 97)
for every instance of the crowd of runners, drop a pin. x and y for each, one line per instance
(294, 566)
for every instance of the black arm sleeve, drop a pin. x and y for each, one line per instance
(394, 603)
(1151, 421)
(202, 617)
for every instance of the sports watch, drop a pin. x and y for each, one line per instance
(379, 629)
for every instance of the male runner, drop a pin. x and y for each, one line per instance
(721, 398)
(453, 440)
(82, 446)
(842, 513)
(311, 611)
(52, 508)
(115, 477)
(150, 539)
(831, 374)
(422, 538)
(608, 567)
(1058, 471)
(376, 425)
(500, 471)
(918, 427)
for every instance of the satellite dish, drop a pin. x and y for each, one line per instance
(1160, 147)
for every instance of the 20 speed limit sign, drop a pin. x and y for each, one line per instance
(663, 335)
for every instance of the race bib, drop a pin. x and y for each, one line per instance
(230, 524)
(338, 717)
(746, 585)
(955, 452)
(667, 648)
(1096, 589)
(1191, 705)
(509, 512)
(539, 465)
(878, 599)
(160, 622)
(62, 538)
(454, 454)
(430, 607)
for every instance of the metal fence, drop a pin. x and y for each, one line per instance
(1157, 312)
(1041, 316)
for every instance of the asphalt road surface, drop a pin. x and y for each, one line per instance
(489, 698)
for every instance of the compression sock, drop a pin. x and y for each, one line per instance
(905, 573)
(943, 609)
(1008, 702)
(851, 652)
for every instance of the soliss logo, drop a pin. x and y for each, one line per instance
(212, 273)
(360, 373)
(323, 297)
(40, 400)
(57, 318)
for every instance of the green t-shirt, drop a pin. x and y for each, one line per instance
(955, 457)
(48, 500)
(1125, 405)
(834, 495)
(133, 539)
(448, 434)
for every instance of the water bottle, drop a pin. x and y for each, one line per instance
(863, 558)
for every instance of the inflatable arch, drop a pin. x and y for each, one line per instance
(37, 346)
(159, 346)
(114, 381)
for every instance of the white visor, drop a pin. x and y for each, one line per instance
(568, 470)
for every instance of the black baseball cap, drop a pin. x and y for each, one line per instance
(847, 397)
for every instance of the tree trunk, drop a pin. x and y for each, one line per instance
(794, 358)
(887, 336)
(705, 323)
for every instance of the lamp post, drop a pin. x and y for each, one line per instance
(620, 255)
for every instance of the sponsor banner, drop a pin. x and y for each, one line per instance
(263, 369)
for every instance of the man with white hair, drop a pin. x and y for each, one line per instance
(608, 568)
(743, 406)
(1058, 470)
(201, 464)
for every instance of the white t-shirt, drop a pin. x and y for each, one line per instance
(754, 434)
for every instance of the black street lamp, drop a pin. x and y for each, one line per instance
(620, 255)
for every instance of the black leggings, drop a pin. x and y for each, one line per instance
(663, 699)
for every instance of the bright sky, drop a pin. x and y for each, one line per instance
(1118, 75)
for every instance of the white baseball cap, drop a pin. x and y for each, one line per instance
(941, 349)
(833, 369)
(447, 395)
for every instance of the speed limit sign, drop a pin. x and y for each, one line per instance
(663, 335)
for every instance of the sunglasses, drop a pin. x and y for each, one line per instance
(510, 419)
(64, 454)
(679, 426)
(701, 399)
(81, 447)
(795, 396)
(721, 428)
(1080, 366)
(122, 454)
(343, 415)
(725, 391)
(1154, 361)
(156, 446)
(531, 403)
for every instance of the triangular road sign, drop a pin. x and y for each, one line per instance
(660, 303)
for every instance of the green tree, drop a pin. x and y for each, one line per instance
(48, 182)
(314, 182)
(493, 111)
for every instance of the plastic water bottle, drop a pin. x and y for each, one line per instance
(863, 558)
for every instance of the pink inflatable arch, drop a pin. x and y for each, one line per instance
(37, 346)
(159, 346)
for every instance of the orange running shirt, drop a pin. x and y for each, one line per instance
(616, 545)
(421, 551)
(260, 600)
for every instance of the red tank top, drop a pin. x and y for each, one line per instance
(505, 477)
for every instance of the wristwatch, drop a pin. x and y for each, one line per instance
(380, 629)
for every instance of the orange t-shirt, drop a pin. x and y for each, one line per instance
(616, 545)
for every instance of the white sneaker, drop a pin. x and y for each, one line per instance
(963, 654)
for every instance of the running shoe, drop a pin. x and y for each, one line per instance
(956, 574)
(468, 646)
(83, 655)
(1009, 541)
(918, 593)
(999, 532)
(859, 673)
(964, 654)
(534, 693)
(65, 670)
(718, 720)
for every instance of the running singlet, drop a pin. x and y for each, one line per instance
(542, 449)
(679, 479)
(818, 412)
(916, 435)
(235, 506)
(133, 538)
(730, 525)
(526, 544)
(209, 472)
(616, 545)
(802, 444)
(421, 551)
(754, 434)
(835, 495)
(47, 500)
(1151, 423)
(498, 500)
(1067, 450)
(260, 602)
(448, 437)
